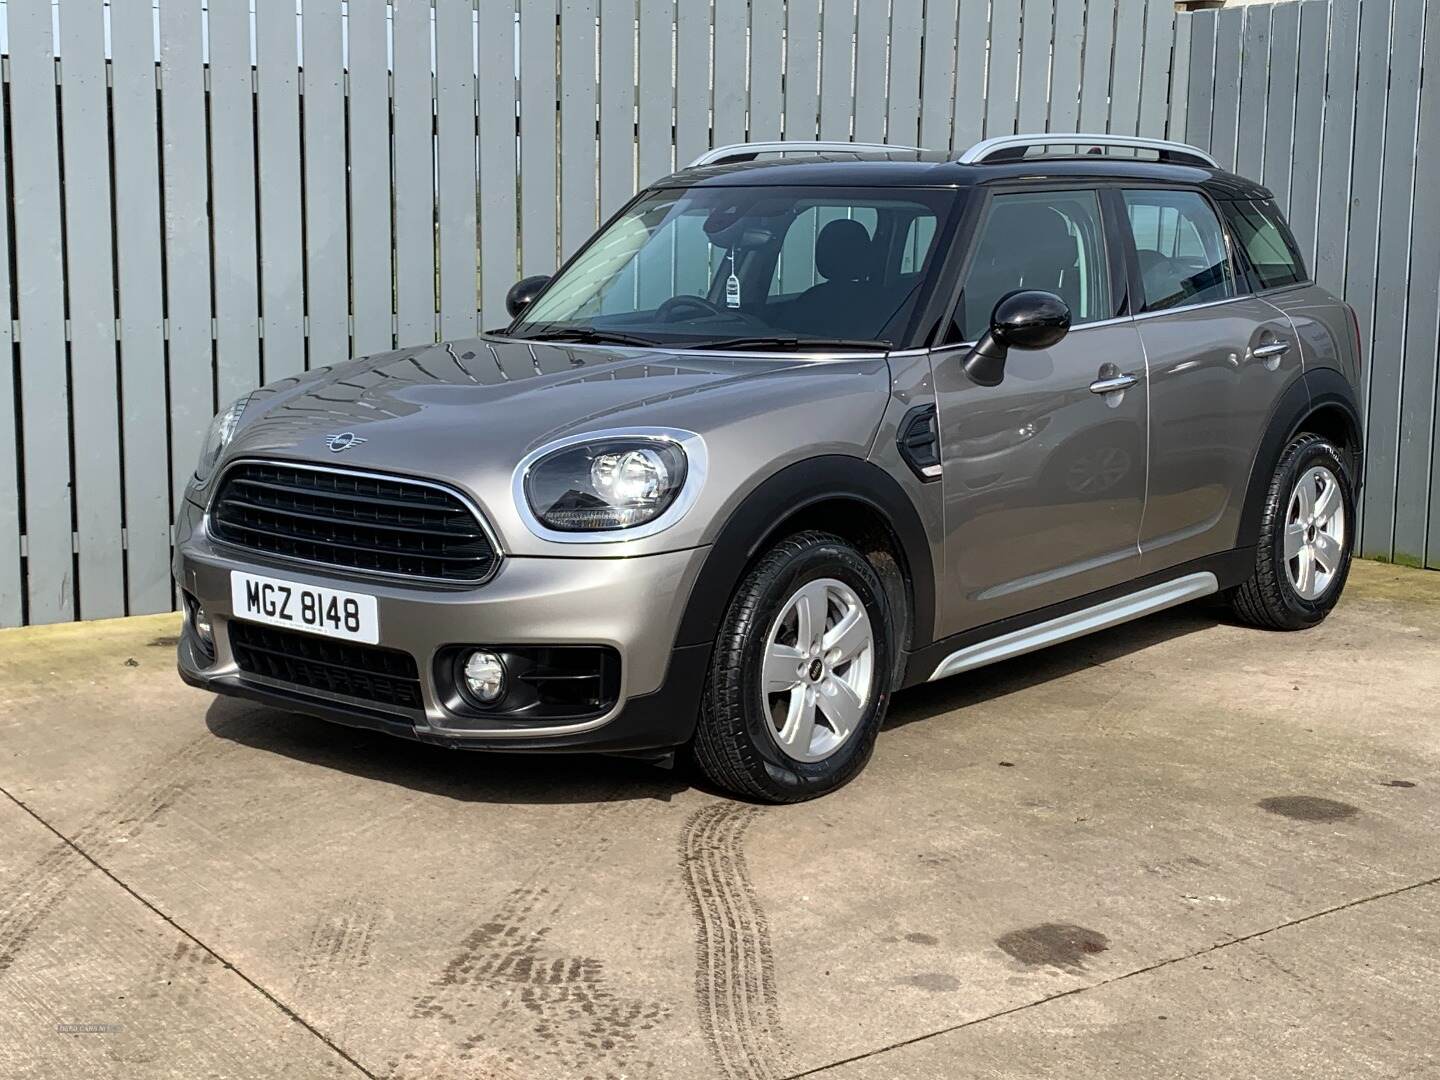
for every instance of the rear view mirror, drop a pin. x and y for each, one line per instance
(524, 292)
(1026, 319)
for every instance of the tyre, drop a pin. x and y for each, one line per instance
(1306, 533)
(799, 682)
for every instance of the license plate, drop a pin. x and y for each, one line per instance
(331, 612)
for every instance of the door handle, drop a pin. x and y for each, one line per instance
(1111, 383)
(1271, 351)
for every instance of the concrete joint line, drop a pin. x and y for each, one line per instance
(290, 1013)
(1118, 978)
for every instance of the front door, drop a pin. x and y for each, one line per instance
(1044, 474)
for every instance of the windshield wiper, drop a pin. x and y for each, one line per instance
(794, 341)
(589, 335)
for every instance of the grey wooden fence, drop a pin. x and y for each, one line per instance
(1335, 105)
(203, 198)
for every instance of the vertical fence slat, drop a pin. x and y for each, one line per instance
(12, 603)
(44, 400)
(1229, 28)
(1176, 121)
(455, 164)
(972, 41)
(802, 68)
(327, 272)
(85, 146)
(1391, 271)
(1064, 105)
(282, 260)
(692, 81)
(1037, 27)
(187, 242)
(729, 92)
(1282, 102)
(369, 174)
(577, 123)
(902, 124)
(1001, 86)
(138, 233)
(1155, 75)
(537, 128)
(1095, 69)
(232, 200)
(1254, 90)
(1125, 79)
(872, 30)
(837, 32)
(1309, 114)
(1200, 98)
(937, 75)
(767, 19)
(414, 176)
(1416, 423)
(1364, 235)
(1333, 224)
(496, 89)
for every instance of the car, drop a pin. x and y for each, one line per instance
(803, 425)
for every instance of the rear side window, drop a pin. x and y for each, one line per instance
(1183, 258)
(1268, 244)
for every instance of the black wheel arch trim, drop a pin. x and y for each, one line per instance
(762, 517)
(1316, 389)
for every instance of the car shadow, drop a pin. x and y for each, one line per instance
(595, 778)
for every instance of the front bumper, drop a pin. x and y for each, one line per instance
(633, 605)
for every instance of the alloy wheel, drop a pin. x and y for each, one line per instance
(1314, 533)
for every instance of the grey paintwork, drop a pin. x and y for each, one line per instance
(1051, 492)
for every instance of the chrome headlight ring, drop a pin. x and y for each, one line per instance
(696, 465)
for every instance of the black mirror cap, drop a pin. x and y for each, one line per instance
(1030, 319)
(523, 293)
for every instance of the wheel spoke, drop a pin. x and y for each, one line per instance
(1328, 503)
(781, 668)
(1305, 580)
(799, 722)
(1327, 552)
(1305, 494)
(810, 606)
(841, 706)
(1294, 539)
(848, 637)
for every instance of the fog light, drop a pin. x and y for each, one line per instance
(200, 620)
(485, 676)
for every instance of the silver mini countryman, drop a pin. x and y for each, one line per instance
(791, 433)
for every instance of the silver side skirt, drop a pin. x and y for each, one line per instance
(1079, 623)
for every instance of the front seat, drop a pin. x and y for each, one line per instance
(1024, 247)
(846, 303)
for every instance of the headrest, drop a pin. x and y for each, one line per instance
(842, 251)
(1032, 234)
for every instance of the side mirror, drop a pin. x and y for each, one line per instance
(1026, 319)
(523, 293)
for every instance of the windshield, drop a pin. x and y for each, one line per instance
(750, 267)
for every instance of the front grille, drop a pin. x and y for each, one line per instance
(382, 676)
(382, 525)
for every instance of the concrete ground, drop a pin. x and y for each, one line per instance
(1179, 849)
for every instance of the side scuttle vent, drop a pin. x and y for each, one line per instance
(919, 442)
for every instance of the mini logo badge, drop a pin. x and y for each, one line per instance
(343, 441)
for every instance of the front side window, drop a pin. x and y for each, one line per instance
(1052, 241)
(1183, 258)
(741, 266)
(1269, 247)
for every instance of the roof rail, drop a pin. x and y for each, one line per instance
(723, 155)
(1013, 147)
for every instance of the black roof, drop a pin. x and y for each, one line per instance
(936, 169)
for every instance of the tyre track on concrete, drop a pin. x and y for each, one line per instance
(735, 993)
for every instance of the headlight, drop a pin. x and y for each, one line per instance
(616, 482)
(222, 430)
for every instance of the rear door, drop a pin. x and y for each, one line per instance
(1044, 474)
(1219, 357)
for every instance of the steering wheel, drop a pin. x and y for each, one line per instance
(673, 309)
